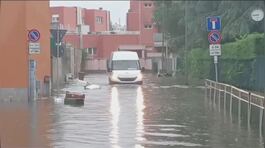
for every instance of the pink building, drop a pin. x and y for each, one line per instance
(140, 18)
(67, 17)
(71, 17)
(98, 20)
(101, 41)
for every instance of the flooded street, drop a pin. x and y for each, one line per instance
(155, 114)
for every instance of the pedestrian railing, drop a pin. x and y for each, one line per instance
(219, 91)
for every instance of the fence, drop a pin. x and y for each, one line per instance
(219, 91)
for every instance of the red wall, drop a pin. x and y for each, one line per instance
(133, 21)
(67, 16)
(105, 44)
(90, 19)
(19, 17)
(111, 43)
(146, 18)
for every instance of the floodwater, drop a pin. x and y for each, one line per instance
(153, 115)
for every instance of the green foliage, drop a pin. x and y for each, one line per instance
(244, 48)
(180, 19)
(199, 63)
(236, 65)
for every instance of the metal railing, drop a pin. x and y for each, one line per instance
(227, 92)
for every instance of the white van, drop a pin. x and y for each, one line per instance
(124, 67)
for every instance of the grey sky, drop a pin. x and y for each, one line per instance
(118, 9)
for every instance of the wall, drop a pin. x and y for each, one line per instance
(67, 16)
(133, 21)
(14, 59)
(137, 17)
(90, 19)
(19, 17)
(37, 18)
(70, 17)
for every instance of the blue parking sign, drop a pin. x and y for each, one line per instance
(213, 23)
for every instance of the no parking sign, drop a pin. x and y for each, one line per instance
(33, 35)
(214, 37)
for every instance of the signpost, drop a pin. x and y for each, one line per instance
(215, 49)
(34, 48)
(33, 35)
(213, 23)
(214, 38)
(34, 45)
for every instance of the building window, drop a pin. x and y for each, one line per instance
(148, 26)
(91, 51)
(99, 19)
(55, 18)
(148, 5)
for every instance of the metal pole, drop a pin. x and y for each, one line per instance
(219, 98)
(264, 87)
(260, 120)
(214, 94)
(231, 101)
(225, 99)
(57, 58)
(216, 68)
(239, 109)
(163, 37)
(185, 52)
(249, 109)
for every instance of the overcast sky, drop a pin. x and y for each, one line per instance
(118, 9)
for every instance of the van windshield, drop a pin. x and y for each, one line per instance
(125, 65)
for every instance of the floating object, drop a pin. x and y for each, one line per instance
(74, 98)
(93, 86)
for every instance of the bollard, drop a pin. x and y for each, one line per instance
(249, 109)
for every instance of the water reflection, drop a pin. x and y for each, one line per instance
(127, 116)
(115, 113)
(140, 115)
(25, 125)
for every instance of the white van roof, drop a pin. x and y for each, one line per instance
(124, 55)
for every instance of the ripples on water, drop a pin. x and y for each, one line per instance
(134, 116)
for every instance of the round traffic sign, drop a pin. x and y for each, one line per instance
(34, 35)
(257, 15)
(214, 37)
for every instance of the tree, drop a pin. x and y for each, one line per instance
(188, 18)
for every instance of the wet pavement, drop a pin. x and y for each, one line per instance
(158, 113)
